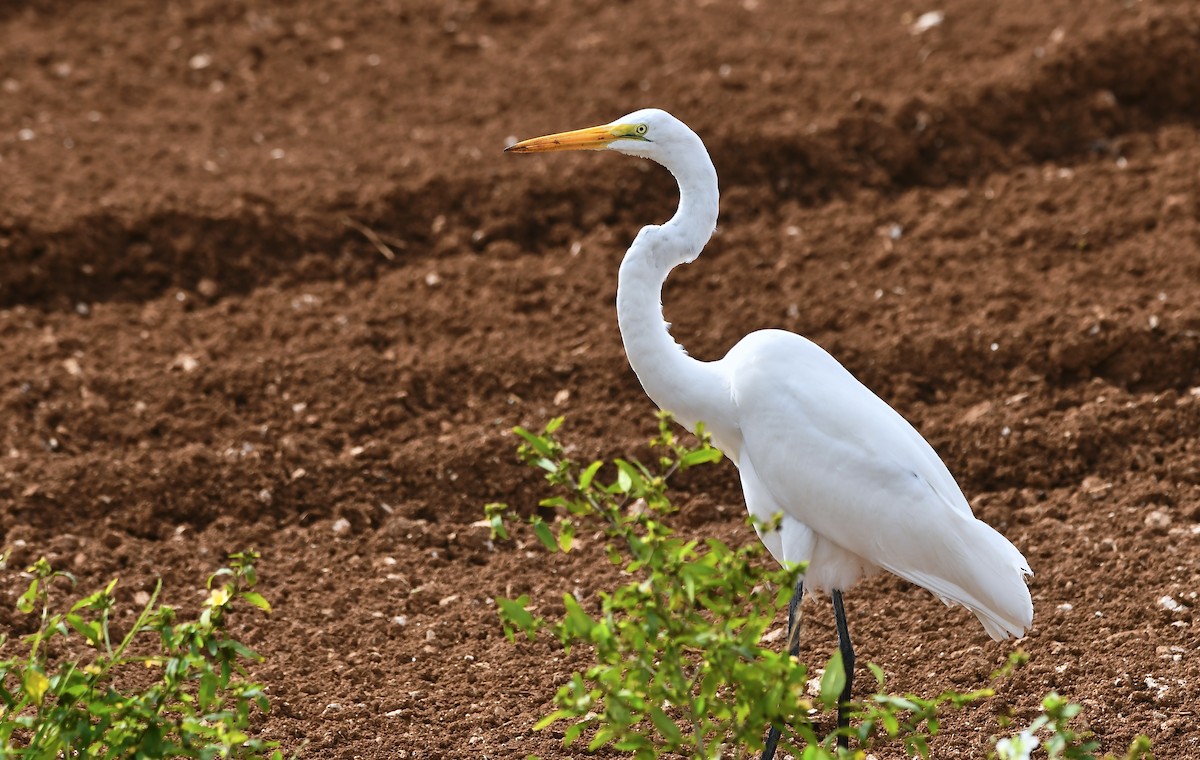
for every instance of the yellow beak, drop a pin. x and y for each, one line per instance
(592, 138)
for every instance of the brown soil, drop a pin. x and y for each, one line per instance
(204, 351)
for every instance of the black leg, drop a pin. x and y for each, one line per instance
(793, 650)
(843, 634)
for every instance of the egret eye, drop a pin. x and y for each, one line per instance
(640, 129)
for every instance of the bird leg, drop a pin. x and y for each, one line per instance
(793, 650)
(843, 634)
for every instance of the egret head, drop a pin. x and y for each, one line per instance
(657, 135)
(649, 133)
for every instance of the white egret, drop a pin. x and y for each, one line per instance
(858, 488)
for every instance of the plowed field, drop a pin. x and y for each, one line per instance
(267, 280)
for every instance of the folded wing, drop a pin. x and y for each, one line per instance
(839, 460)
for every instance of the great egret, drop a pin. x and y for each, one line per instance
(859, 489)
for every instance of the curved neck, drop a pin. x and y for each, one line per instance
(673, 380)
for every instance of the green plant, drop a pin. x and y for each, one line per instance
(198, 705)
(1062, 742)
(679, 662)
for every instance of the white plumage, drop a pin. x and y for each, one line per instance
(858, 487)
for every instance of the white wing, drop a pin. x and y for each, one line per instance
(844, 464)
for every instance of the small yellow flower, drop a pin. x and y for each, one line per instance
(218, 597)
(36, 684)
(92, 669)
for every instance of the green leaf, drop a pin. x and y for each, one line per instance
(585, 479)
(897, 702)
(90, 630)
(700, 456)
(577, 622)
(494, 512)
(543, 533)
(916, 743)
(833, 681)
(241, 650)
(207, 692)
(877, 671)
(666, 727)
(497, 527)
(624, 480)
(604, 735)
(513, 612)
(536, 442)
(25, 601)
(891, 725)
(566, 535)
(571, 735)
(257, 600)
(553, 717)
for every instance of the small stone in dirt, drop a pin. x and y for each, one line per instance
(1158, 520)
(1154, 683)
(184, 362)
(1169, 604)
(1096, 487)
(207, 287)
(927, 21)
(341, 526)
(1175, 654)
(400, 620)
(813, 685)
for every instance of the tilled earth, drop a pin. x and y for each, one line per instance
(267, 280)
